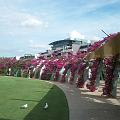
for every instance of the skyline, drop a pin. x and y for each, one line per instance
(28, 26)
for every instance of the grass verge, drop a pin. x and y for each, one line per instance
(15, 92)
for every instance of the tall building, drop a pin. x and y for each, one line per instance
(65, 46)
(27, 56)
(68, 45)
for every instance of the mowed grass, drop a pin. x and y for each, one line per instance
(15, 92)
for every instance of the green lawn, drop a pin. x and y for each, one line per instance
(15, 92)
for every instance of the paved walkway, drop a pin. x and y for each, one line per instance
(84, 105)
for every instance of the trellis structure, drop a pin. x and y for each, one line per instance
(109, 52)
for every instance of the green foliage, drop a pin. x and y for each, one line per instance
(17, 73)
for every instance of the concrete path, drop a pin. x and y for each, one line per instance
(84, 105)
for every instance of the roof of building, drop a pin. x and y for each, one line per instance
(60, 41)
(68, 40)
(63, 41)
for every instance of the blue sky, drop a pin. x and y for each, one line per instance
(28, 26)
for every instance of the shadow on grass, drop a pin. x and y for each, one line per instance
(57, 110)
(4, 119)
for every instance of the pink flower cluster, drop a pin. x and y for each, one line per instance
(109, 67)
(80, 80)
(100, 43)
(94, 67)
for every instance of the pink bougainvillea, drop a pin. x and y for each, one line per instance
(80, 80)
(109, 67)
(94, 67)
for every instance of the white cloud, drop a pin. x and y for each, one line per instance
(11, 18)
(95, 38)
(76, 35)
(34, 45)
(31, 21)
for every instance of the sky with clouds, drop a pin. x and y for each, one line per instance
(28, 26)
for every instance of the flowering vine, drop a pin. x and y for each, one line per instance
(94, 67)
(109, 64)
